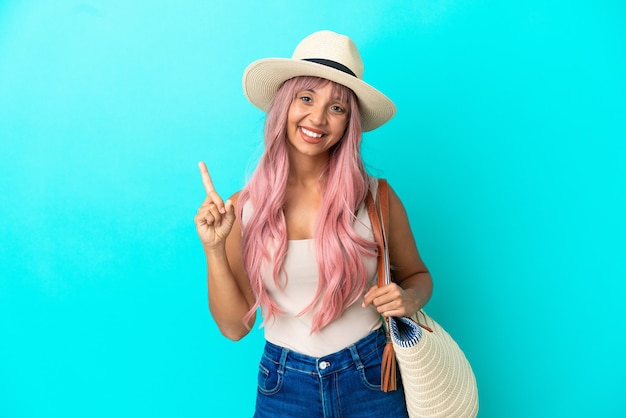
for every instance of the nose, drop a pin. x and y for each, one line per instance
(318, 114)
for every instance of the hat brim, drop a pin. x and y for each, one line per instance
(263, 78)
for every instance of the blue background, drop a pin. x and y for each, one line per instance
(508, 151)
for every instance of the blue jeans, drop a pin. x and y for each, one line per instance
(341, 385)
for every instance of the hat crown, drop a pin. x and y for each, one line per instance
(331, 46)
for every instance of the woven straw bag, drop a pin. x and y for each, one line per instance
(437, 377)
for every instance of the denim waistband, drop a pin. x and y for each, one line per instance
(332, 363)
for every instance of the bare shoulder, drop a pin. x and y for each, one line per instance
(396, 207)
(402, 247)
(394, 199)
(235, 197)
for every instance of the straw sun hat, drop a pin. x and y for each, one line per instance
(323, 54)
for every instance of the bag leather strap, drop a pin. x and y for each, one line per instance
(380, 226)
(379, 217)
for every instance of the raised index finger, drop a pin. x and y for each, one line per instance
(206, 178)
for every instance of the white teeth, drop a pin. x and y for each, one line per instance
(310, 133)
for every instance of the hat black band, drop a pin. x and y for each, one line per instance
(332, 64)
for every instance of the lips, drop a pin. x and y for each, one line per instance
(311, 136)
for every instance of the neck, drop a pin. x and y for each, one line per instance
(306, 176)
(307, 170)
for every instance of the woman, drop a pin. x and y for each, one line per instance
(297, 241)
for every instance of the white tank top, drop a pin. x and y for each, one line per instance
(287, 329)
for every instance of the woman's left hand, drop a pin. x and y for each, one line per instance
(391, 300)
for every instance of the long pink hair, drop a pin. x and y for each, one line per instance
(339, 249)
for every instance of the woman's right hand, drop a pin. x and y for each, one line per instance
(214, 219)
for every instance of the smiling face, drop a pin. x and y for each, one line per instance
(316, 120)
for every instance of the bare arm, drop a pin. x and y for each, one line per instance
(230, 294)
(412, 284)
